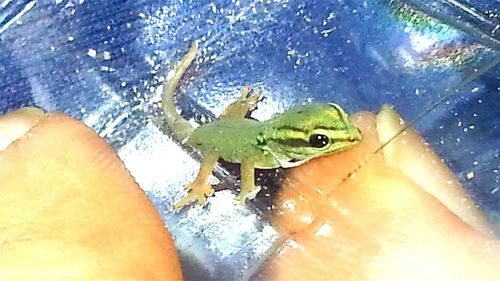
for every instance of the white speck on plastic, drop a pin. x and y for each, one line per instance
(92, 53)
(106, 55)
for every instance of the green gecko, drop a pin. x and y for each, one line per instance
(286, 140)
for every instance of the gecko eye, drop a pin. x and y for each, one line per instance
(318, 140)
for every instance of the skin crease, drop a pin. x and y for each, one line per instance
(70, 210)
(377, 223)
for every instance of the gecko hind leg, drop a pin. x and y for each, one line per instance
(244, 104)
(199, 189)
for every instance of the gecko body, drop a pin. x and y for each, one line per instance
(286, 140)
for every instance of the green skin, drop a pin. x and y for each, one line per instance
(286, 140)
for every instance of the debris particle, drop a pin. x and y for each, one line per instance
(105, 68)
(92, 53)
(106, 55)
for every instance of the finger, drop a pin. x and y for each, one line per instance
(70, 210)
(374, 224)
(15, 124)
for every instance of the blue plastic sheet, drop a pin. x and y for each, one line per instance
(103, 61)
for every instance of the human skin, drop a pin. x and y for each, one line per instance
(93, 221)
(70, 210)
(364, 216)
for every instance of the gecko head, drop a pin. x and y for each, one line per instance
(309, 131)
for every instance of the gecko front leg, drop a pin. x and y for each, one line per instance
(248, 188)
(238, 110)
(200, 189)
(243, 105)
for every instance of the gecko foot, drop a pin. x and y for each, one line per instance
(243, 196)
(247, 102)
(197, 192)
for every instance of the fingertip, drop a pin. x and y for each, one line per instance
(15, 124)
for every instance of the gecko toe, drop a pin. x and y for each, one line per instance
(197, 193)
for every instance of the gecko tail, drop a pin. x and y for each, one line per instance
(180, 127)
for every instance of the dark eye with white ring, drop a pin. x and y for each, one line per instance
(319, 140)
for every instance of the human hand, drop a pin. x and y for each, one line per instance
(400, 216)
(378, 224)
